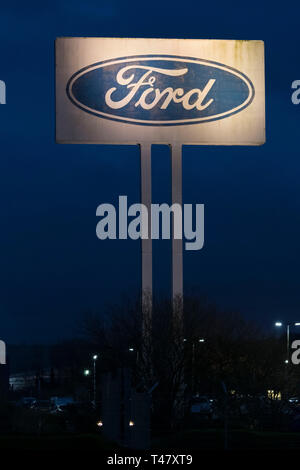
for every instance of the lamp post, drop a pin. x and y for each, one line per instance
(279, 324)
(194, 341)
(95, 357)
(199, 340)
(136, 351)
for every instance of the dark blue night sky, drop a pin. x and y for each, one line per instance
(53, 268)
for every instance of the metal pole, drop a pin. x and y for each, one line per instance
(225, 416)
(95, 383)
(177, 275)
(288, 342)
(147, 242)
(177, 263)
(193, 367)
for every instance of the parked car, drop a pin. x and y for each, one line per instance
(59, 403)
(201, 406)
(26, 402)
(42, 406)
(294, 400)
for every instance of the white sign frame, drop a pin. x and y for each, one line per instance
(73, 125)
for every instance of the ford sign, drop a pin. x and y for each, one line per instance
(114, 90)
(160, 90)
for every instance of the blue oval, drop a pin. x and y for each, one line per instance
(160, 90)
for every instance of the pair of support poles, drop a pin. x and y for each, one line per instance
(146, 198)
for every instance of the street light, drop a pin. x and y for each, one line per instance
(95, 357)
(280, 324)
(86, 372)
(193, 342)
(288, 325)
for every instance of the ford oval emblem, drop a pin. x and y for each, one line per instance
(160, 90)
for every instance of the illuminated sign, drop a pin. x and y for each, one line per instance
(113, 90)
(160, 91)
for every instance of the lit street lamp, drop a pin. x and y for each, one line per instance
(279, 324)
(95, 357)
(194, 341)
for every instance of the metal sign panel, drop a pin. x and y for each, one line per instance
(187, 91)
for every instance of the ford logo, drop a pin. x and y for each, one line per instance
(158, 90)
